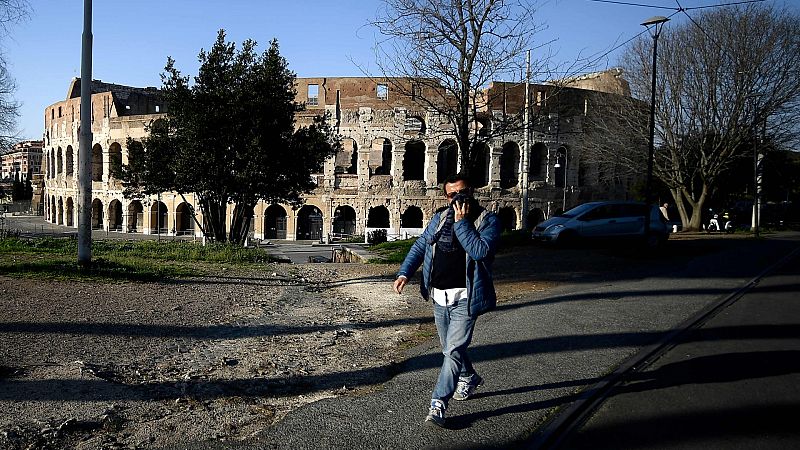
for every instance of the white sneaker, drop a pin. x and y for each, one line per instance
(467, 386)
(436, 413)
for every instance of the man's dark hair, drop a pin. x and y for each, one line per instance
(455, 179)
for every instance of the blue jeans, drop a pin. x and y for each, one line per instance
(455, 333)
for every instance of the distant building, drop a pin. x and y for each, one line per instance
(388, 175)
(23, 160)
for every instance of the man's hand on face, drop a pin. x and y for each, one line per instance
(461, 209)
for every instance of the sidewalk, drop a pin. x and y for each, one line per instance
(734, 383)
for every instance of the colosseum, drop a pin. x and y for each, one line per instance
(395, 154)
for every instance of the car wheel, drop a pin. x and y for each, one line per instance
(567, 239)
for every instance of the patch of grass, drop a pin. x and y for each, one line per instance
(121, 260)
(391, 252)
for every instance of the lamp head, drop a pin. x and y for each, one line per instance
(655, 20)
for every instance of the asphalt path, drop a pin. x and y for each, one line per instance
(536, 354)
(733, 383)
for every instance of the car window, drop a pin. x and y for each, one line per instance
(600, 212)
(631, 210)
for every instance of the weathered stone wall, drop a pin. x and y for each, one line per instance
(389, 164)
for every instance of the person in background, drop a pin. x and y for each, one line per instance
(456, 252)
(664, 211)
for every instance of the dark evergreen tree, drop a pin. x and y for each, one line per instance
(230, 138)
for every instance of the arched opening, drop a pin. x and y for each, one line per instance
(560, 167)
(412, 218)
(415, 125)
(347, 157)
(158, 218)
(380, 159)
(59, 161)
(447, 160)
(378, 217)
(70, 216)
(535, 217)
(135, 216)
(70, 158)
(509, 165)
(97, 163)
(275, 222)
(184, 223)
(115, 215)
(479, 171)
(114, 159)
(60, 214)
(538, 154)
(309, 223)
(97, 214)
(414, 161)
(344, 221)
(51, 164)
(508, 219)
(53, 209)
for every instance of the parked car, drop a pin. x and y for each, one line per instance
(604, 220)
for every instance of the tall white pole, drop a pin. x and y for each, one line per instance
(526, 153)
(85, 143)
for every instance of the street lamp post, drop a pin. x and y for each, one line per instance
(655, 25)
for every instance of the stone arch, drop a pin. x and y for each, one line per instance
(97, 214)
(380, 158)
(97, 163)
(275, 219)
(59, 161)
(135, 216)
(70, 161)
(158, 217)
(51, 156)
(447, 160)
(411, 218)
(114, 158)
(115, 215)
(309, 223)
(52, 205)
(508, 218)
(535, 217)
(344, 221)
(538, 155)
(479, 170)
(415, 125)
(184, 223)
(60, 212)
(378, 217)
(347, 158)
(414, 161)
(69, 212)
(509, 165)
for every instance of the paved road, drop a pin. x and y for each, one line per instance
(732, 384)
(535, 353)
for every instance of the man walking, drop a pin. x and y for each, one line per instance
(456, 252)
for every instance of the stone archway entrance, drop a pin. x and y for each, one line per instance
(275, 222)
(309, 223)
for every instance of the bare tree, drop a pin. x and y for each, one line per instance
(722, 77)
(11, 11)
(444, 53)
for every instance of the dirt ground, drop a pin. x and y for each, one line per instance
(131, 365)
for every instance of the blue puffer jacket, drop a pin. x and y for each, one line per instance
(480, 246)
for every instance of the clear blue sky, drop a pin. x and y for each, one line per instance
(319, 38)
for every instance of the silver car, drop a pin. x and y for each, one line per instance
(604, 220)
